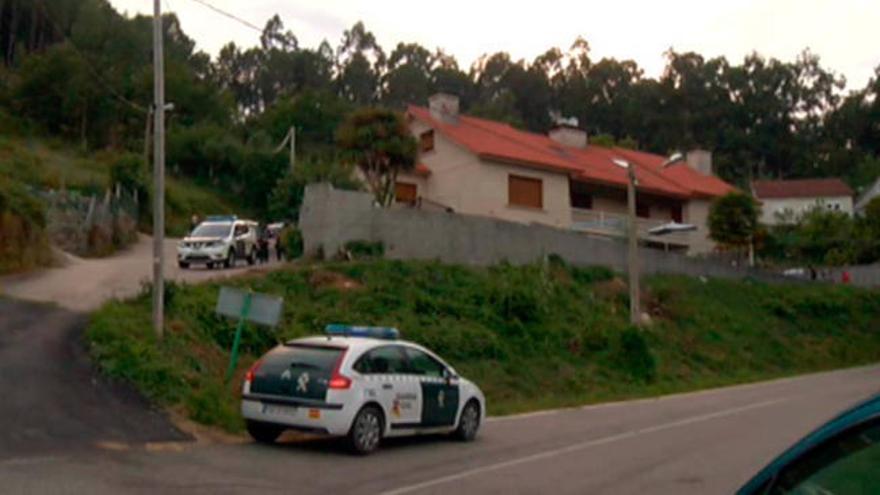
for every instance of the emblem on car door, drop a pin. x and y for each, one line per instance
(302, 382)
(285, 375)
(441, 398)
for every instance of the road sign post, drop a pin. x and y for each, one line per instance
(246, 306)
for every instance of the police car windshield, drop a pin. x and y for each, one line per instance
(212, 230)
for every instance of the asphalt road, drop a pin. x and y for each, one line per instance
(84, 284)
(53, 400)
(701, 443)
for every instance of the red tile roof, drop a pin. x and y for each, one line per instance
(500, 142)
(800, 188)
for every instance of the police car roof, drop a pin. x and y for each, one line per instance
(344, 342)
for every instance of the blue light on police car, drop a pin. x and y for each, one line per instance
(340, 330)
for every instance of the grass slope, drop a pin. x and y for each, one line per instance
(532, 337)
(51, 163)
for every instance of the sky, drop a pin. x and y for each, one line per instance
(844, 33)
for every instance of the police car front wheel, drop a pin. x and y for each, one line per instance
(469, 422)
(366, 431)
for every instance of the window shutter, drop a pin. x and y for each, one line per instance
(525, 191)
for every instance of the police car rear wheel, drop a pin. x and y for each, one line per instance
(469, 422)
(366, 431)
(264, 432)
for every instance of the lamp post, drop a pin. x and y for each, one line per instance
(635, 316)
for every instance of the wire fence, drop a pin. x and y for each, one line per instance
(90, 225)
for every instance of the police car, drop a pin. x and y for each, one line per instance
(219, 240)
(359, 382)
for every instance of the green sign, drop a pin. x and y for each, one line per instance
(246, 306)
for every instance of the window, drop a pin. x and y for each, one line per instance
(405, 192)
(241, 230)
(426, 141)
(580, 196)
(676, 213)
(525, 191)
(846, 463)
(643, 210)
(382, 360)
(423, 364)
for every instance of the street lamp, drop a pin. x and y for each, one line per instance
(673, 159)
(635, 316)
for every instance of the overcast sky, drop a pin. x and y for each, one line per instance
(844, 33)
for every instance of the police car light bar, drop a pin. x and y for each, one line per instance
(221, 218)
(339, 330)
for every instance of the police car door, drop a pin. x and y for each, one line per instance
(440, 395)
(385, 371)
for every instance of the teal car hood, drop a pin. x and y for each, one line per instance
(864, 411)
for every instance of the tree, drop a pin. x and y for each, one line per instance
(378, 142)
(287, 195)
(733, 219)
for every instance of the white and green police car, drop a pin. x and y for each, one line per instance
(358, 382)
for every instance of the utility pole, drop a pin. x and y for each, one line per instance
(292, 136)
(289, 139)
(635, 316)
(158, 173)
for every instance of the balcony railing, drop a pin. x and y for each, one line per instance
(614, 225)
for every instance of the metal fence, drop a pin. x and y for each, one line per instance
(90, 224)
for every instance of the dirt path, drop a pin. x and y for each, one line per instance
(83, 284)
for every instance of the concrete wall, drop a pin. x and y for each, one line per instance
(329, 218)
(696, 212)
(799, 206)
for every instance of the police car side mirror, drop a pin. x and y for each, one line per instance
(449, 375)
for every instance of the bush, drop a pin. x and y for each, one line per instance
(23, 242)
(634, 356)
(292, 240)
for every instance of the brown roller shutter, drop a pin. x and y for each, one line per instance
(525, 191)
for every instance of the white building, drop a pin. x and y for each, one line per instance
(785, 201)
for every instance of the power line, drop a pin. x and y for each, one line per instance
(230, 15)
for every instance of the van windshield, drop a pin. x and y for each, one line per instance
(212, 230)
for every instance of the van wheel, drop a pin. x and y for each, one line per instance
(366, 431)
(264, 432)
(230, 259)
(469, 423)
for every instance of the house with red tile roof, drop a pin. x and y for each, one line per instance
(784, 201)
(481, 167)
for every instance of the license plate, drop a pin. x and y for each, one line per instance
(278, 410)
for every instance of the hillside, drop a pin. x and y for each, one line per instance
(31, 163)
(532, 337)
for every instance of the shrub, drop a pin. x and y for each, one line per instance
(23, 242)
(292, 240)
(634, 356)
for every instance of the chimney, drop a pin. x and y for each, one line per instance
(700, 160)
(567, 133)
(444, 106)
